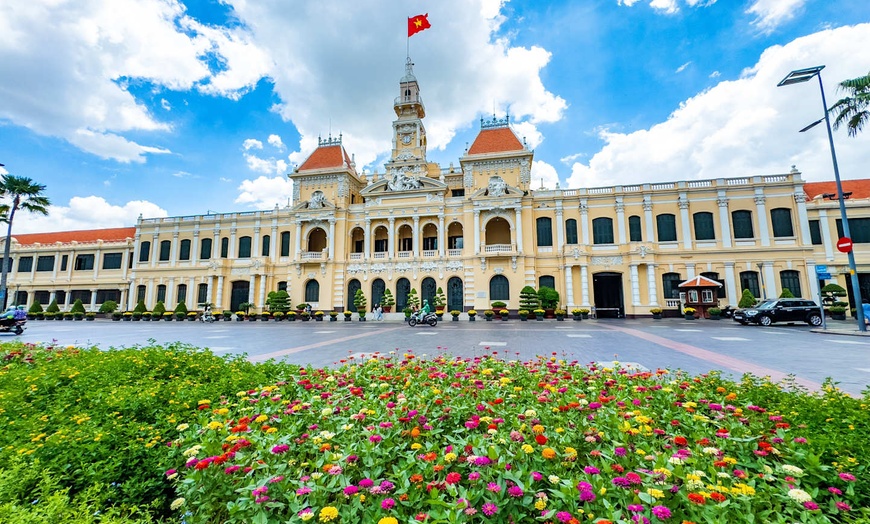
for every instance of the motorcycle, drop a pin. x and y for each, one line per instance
(207, 317)
(727, 312)
(12, 325)
(431, 319)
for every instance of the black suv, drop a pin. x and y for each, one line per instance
(781, 310)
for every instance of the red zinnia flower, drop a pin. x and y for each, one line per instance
(697, 499)
(718, 497)
(541, 439)
(680, 441)
(453, 478)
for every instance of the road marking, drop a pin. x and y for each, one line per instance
(853, 342)
(493, 344)
(428, 333)
(323, 332)
(689, 330)
(572, 335)
(731, 339)
(289, 351)
(564, 327)
(215, 349)
(219, 336)
(866, 370)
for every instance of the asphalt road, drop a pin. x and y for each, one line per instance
(695, 346)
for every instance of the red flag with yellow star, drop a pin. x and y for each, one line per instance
(418, 23)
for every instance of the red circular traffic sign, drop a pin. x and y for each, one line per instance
(844, 245)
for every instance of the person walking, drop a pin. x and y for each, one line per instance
(379, 312)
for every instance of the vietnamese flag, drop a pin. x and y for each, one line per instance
(418, 23)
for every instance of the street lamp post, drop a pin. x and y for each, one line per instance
(804, 75)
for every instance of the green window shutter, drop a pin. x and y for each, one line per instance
(267, 241)
(781, 220)
(634, 231)
(704, 226)
(545, 232)
(285, 244)
(571, 231)
(742, 223)
(245, 247)
(184, 252)
(144, 252)
(666, 225)
(815, 232)
(602, 231)
(165, 248)
(205, 249)
(791, 280)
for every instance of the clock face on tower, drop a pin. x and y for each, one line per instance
(406, 139)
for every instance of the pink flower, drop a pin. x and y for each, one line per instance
(388, 504)
(842, 506)
(376, 438)
(350, 491)
(619, 452)
(515, 491)
(489, 509)
(280, 448)
(303, 491)
(563, 516)
(835, 491)
(473, 475)
(454, 478)
(848, 477)
(275, 480)
(260, 500)
(591, 470)
(366, 483)
(493, 487)
(661, 512)
(231, 469)
(810, 505)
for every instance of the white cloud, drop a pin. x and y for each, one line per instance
(683, 67)
(251, 143)
(746, 126)
(770, 14)
(165, 104)
(715, 74)
(90, 212)
(668, 7)
(275, 141)
(182, 174)
(264, 192)
(570, 158)
(543, 174)
(529, 132)
(225, 179)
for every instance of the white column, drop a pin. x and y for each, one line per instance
(390, 236)
(131, 296)
(331, 253)
(57, 264)
(231, 252)
(367, 239)
(151, 289)
(194, 247)
(173, 256)
(690, 270)
(170, 295)
(724, 222)
(814, 281)
(92, 306)
(771, 280)
(96, 265)
(273, 244)
(569, 284)
(415, 237)
(251, 282)
(255, 243)
(635, 285)
(584, 285)
(219, 301)
(298, 240)
(216, 243)
(620, 220)
(519, 227)
(476, 231)
(209, 282)
(800, 199)
(192, 293)
(52, 296)
(824, 228)
(153, 250)
(651, 285)
(560, 230)
(762, 217)
(441, 236)
(262, 293)
(651, 235)
(684, 218)
(731, 284)
(584, 225)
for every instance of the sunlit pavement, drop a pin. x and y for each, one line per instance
(695, 346)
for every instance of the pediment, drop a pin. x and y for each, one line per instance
(317, 202)
(497, 188)
(411, 186)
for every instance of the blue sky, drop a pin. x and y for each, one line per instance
(168, 107)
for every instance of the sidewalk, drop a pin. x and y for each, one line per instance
(842, 327)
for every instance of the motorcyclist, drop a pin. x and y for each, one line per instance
(426, 309)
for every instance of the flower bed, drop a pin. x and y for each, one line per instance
(484, 440)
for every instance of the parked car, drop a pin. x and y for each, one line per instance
(781, 310)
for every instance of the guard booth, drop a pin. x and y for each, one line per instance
(701, 293)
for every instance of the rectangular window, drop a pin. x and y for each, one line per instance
(205, 249)
(405, 244)
(225, 247)
(60, 296)
(144, 251)
(184, 251)
(704, 226)
(108, 294)
(455, 242)
(161, 293)
(781, 220)
(84, 263)
(45, 263)
(43, 297)
(245, 247)
(25, 264)
(790, 280)
(282, 286)
(380, 246)
(634, 231)
(430, 243)
(358, 246)
(815, 233)
(742, 223)
(666, 225)
(80, 294)
(457, 192)
(202, 294)
(859, 230)
(602, 231)
(165, 248)
(267, 240)
(285, 244)
(707, 296)
(140, 293)
(63, 262)
(571, 231)
(545, 232)
(112, 261)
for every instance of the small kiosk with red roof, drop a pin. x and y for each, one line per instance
(700, 293)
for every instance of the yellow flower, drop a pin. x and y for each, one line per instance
(450, 457)
(538, 429)
(540, 504)
(548, 453)
(177, 503)
(213, 425)
(527, 449)
(182, 427)
(261, 419)
(328, 513)
(415, 446)
(657, 493)
(388, 520)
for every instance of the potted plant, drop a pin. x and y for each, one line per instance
(656, 312)
(439, 313)
(455, 314)
(577, 314)
(333, 316)
(838, 312)
(228, 315)
(240, 316)
(440, 301)
(407, 311)
(108, 307)
(584, 313)
(34, 311)
(318, 316)
(157, 312)
(146, 316)
(181, 311)
(498, 305)
(714, 313)
(68, 315)
(560, 315)
(291, 316)
(265, 316)
(278, 316)
(504, 314)
(689, 313)
(539, 314)
(304, 316)
(359, 301)
(128, 316)
(191, 316)
(471, 314)
(52, 308)
(78, 310)
(529, 300)
(278, 301)
(549, 298)
(116, 316)
(387, 301)
(347, 315)
(136, 315)
(413, 299)
(168, 316)
(489, 314)
(524, 314)
(90, 315)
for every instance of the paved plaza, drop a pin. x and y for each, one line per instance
(695, 346)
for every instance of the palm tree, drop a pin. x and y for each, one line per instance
(25, 195)
(854, 110)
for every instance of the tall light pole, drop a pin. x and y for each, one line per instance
(804, 75)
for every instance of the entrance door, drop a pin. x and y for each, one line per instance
(607, 288)
(454, 294)
(403, 288)
(352, 288)
(427, 291)
(378, 288)
(239, 294)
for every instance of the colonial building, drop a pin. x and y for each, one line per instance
(476, 230)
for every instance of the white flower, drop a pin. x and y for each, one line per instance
(675, 461)
(711, 451)
(799, 495)
(553, 479)
(192, 451)
(182, 427)
(177, 503)
(792, 470)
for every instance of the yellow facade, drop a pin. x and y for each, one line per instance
(477, 231)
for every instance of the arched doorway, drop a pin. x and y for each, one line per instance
(316, 240)
(427, 291)
(454, 294)
(239, 294)
(403, 287)
(607, 288)
(352, 287)
(378, 288)
(498, 232)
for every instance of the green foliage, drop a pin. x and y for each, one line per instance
(181, 308)
(786, 293)
(246, 307)
(77, 307)
(53, 307)
(360, 303)
(36, 307)
(747, 299)
(498, 304)
(413, 299)
(278, 301)
(158, 310)
(549, 297)
(440, 299)
(529, 298)
(387, 299)
(831, 291)
(853, 111)
(109, 306)
(140, 307)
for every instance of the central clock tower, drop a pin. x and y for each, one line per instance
(409, 135)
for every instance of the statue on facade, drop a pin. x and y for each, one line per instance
(403, 182)
(318, 200)
(497, 187)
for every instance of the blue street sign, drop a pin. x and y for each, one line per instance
(821, 269)
(823, 276)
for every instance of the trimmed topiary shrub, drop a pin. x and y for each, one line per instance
(529, 299)
(53, 308)
(77, 307)
(158, 310)
(140, 307)
(747, 299)
(786, 293)
(36, 307)
(108, 306)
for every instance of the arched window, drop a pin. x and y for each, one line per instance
(144, 251)
(666, 226)
(312, 291)
(670, 283)
(749, 280)
(202, 294)
(165, 248)
(781, 220)
(570, 231)
(741, 221)
(184, 252)
(285, 243)
(547, 281)
(704, 226)
(602, 230)
(634, 231)
(244, 247)
(790, 280)
(545, 232)
(403, 288)
(140, 294)
(205, 249)
(267, 240)
(161, 294)
(499, 288)
(182, 294)
(282, 285)
(378, 288)
(225, 247)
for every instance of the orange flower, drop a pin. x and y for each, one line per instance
(697, 498)
(548, 453)
(718, 497)
(438, 467)
(415, 432)
(326, 447)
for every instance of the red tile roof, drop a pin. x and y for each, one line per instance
(89, 235)
(497, 140)
(859, 188)
(700, 281)
(326, 157)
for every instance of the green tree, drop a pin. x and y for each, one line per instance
(36, 307)
(747, 299)
(180, 308)
(413, 299)
(77, 307)
(140, 307)
(853, 111)
(53, 307)
(25, 195)
(440, 298)
(387, 300)
(786, 293)
(278, 301)
(158, 310)
(109, 306)
(831, 292)
(529, 299)
(359, 301)
(549, 297)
